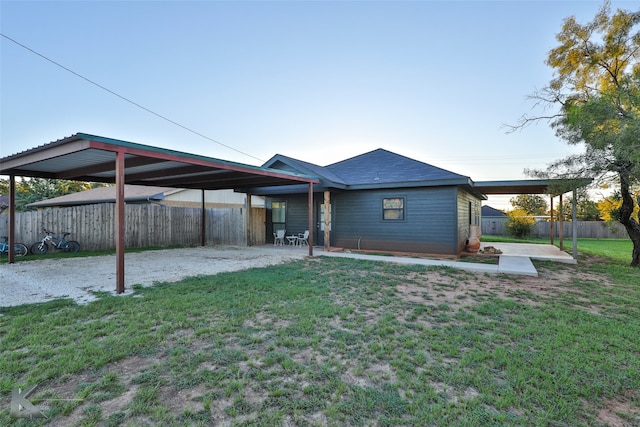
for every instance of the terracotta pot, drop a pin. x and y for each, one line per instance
(474, 231)
(473, 242)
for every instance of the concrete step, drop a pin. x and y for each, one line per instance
(516, 265)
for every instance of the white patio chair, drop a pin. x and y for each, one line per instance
(303, 238)
(278, 238)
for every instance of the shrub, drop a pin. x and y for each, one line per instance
(519, 224)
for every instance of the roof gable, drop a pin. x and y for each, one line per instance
(290, 164)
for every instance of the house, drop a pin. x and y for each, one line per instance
(489, 212)
(161, 196)
(377, 201)
(493, 220)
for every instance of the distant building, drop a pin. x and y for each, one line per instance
(140, 194)
(489, 212)
(493, 220)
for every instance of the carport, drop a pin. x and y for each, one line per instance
(551, 187)
(84, 157)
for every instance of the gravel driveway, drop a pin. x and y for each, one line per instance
(43, 280)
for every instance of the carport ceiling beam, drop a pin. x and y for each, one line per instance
(217, 177)
(106, 167)
(243, 186)
(168, 173)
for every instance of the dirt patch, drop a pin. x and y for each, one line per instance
(619, 411)
(464, 289)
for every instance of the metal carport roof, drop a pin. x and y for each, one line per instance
(552, 187)
(85, 157)
(531, 186)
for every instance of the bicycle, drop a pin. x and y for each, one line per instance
(19, 249)
(41, 247)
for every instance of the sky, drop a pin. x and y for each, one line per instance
(319, 81)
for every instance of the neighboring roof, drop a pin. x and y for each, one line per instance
(85, 157)
(376, 169)
(132, 193)
(488, 211)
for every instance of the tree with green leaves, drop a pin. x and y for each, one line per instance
(586, 209)
(595, 96)
(531, 204)
(33, 190)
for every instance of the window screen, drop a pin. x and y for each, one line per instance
(393, 208)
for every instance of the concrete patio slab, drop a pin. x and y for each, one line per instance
(533, 251)
(480, 268)
(515, 258)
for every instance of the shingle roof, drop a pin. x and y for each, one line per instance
(378, 168)
(382, 166)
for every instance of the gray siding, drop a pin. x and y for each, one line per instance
(463, 217)
(297, 213)
(436, 219)
(430, 224)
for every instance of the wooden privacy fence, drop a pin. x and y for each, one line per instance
(93, 226)
(585, 229)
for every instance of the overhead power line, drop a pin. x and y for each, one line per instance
(127, 99)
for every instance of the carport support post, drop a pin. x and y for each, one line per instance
(203, 220)
(552, 232)
(327, 220)
(120, 228)
(560, 224)
(12, 219)
(249, 222)
(310, 216)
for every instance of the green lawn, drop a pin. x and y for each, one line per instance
(618, 249)
(331, 341)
